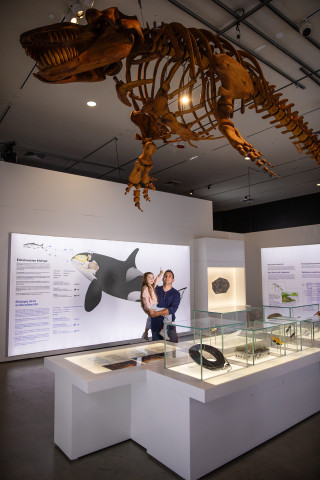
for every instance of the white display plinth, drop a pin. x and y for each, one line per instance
(190, 426)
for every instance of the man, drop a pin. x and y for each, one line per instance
(168, 301)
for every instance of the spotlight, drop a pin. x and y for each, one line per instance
(247, 158)
(77, 9)
(191, 192)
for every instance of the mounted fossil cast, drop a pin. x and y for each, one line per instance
(162, 65)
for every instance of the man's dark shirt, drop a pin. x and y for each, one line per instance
(169, 300)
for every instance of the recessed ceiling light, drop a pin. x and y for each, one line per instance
(318, 184)
(91, 103)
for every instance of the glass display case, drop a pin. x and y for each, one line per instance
(310, 332)
(203, 350)
(268, 340)
(297, 312)
(108, 360)
(226, 315)
(304, 311)
(214, 346)
(290, 333)
(276, 311)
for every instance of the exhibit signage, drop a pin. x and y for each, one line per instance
(74, 292)
(291, 275)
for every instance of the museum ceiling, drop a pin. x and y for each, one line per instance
(51, 126)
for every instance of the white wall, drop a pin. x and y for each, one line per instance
(213, 252)
(41, 202)
(307, 235)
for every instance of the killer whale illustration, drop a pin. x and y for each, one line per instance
(118, 278)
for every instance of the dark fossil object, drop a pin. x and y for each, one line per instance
(220, 285)
(274, 315)
(220, 360)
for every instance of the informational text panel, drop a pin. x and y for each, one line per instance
(291, 276)
(74, 292)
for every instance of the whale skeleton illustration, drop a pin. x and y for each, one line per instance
(163, 64)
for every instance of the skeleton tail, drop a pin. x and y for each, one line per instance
(266, 100)
(304, 138)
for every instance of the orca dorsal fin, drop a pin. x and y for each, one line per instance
(131, 260)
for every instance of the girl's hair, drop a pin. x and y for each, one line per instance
(145, 284)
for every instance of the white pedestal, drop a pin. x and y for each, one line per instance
(190, 426)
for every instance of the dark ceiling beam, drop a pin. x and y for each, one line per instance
(235, 42)
(244, 16)
(264, 36)
(315, 79)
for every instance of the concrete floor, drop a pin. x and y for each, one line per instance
(27, 450)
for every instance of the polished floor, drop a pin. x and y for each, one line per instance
(27, 450)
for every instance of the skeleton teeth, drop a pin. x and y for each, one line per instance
(43, 60)
(59, 52)
(69, 52)
(56, 56)
(65, 56)
(48, 61)
(52, 57)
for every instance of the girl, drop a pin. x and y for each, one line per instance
(149, 297)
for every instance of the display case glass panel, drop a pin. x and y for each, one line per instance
(227, 315)
(264, 341)
(202, 352)
(310, 332)
(277, 311)
(289, 331)
(120, 358)
(304, 311)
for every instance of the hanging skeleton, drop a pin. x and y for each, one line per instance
(169, 62)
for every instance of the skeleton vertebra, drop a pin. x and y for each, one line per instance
(184, 61)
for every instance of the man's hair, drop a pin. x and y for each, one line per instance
(170, 271)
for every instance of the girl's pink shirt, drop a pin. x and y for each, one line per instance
(147, 299)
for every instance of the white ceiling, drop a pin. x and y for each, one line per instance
(55, 121)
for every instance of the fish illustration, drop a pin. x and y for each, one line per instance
(118, 278)
(33, 245)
